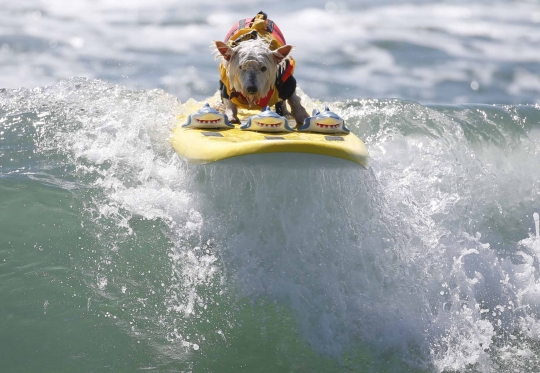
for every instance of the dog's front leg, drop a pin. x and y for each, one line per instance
(297, 110)
(281, 109)
(231, 111)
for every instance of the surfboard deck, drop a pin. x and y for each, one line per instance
(200, 146)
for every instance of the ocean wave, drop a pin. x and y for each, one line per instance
(421, 259)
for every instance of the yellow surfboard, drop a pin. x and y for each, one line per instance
(201, 146)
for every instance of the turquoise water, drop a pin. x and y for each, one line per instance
(116, 255)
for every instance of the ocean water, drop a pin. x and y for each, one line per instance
(118, 256)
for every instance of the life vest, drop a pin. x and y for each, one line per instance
(250, 28)
(266, 29)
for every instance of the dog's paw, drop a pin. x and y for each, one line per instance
(233, 119)
(299, 117)
(232, 116)
(231, 112)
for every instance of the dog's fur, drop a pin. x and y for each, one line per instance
(252, 69)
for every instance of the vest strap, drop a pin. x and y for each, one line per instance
(270, 26)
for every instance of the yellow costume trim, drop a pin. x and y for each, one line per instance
(259, 25)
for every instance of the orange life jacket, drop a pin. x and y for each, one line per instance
(268, 30)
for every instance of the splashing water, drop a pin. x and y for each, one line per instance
(291, 262)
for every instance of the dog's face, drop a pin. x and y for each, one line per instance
(252, 67)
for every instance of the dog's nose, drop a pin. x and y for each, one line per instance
(252, 89)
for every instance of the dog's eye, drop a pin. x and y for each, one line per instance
(263, 69)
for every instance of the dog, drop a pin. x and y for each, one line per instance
(256, 70)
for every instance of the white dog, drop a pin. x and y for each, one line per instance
(256, 69)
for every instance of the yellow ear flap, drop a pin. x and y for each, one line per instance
(259, 23)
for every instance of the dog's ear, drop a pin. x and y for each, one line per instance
(223, 49)
(282, 52)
